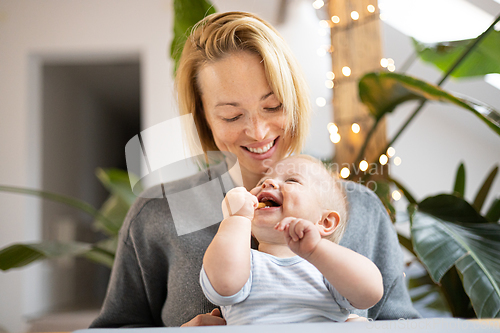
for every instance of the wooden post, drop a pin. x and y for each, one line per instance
(357, 45)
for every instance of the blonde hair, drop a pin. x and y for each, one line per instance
(222, 34)
(336, 200)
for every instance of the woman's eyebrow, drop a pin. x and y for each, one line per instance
(266, 96)
(227, 103)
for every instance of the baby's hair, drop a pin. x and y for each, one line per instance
(337, 201)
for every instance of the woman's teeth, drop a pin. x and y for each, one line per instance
(261, 150)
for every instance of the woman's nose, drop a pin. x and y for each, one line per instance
(270, 183)
(257, 128)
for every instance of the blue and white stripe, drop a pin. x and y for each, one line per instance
(280, 290)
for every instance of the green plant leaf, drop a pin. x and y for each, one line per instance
(484, 60)
(473, 248)
(103, 252)
(453, 291)
(406, 243)
(186, 14)
(485, 188)
(493, 214)
(114, 209)
(451, 208)
(459, 188)
(63, 199)
(420, 281)
(19, 255)
(117, 182)
(382, 92)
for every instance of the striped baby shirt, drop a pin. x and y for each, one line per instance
(280, 290)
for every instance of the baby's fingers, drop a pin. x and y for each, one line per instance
(281, 226)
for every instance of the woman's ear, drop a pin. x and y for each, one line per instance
(329, 222)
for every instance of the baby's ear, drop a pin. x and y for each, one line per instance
(328, 223)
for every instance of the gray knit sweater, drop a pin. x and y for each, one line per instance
(154, 281)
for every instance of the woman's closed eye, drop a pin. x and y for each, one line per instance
(274, 109)
(232, 119)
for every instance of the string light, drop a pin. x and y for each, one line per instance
(335, 19)
(396, 195)
(355, 128)
(383, 159)
(335, 137)
(330, 76)
(329, 84)
(324, 24)
(354, 15)
(318, 4)
(390, 65)
(320, 101)
(397, 160)
(346, 71)
(391, 151)
(344, 173)
(384, 62)
(332, 128)
(371, 8)
(363, 165)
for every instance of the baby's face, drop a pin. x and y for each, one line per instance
(292, 187)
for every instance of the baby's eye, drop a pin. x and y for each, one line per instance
(292, 180)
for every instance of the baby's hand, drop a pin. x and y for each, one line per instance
(240, 202)
(301, 235)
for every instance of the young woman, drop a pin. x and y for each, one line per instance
(247, 95)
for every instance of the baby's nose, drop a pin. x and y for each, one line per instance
(270, 183)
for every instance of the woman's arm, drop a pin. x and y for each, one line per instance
(227, 259)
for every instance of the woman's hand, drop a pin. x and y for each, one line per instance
(354, 317)
(213, 318)
(301, 235)
(239, 202)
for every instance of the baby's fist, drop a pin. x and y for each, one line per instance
(240, 202)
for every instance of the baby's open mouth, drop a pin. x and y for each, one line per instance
(267, 202)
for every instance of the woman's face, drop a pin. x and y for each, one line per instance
(245, 117)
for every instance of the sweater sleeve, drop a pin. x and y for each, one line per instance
(370, 232)
(128, 302)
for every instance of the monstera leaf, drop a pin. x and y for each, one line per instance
(472, 248)
(382, 92)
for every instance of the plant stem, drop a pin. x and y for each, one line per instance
(365, 144)
(445, 76)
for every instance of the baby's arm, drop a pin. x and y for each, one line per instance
(227, 258)
(354, 276)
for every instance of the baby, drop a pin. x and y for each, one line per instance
(300, 273)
